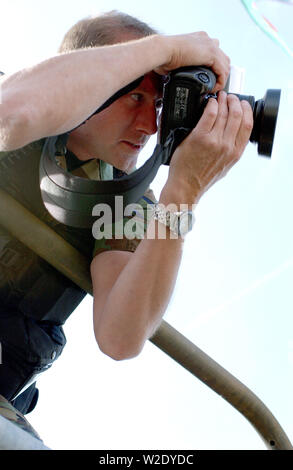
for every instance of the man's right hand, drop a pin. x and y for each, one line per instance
(210, 150)
(196, 49)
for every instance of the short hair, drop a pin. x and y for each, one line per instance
(103, 30)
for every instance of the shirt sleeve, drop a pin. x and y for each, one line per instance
(134, 227)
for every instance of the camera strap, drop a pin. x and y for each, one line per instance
(70, 199)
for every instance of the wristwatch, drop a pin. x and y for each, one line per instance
(179, 222)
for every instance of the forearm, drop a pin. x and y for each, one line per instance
(141, 293)
(61, 92)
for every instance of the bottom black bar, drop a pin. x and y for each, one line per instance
(133, 459)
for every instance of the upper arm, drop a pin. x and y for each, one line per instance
(105, 269)
(110, 258)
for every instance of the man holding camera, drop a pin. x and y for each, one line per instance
(132, 283)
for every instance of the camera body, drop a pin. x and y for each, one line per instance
(186, 93)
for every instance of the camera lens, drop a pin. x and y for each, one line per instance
(265, 113)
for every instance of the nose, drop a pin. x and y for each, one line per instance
(146, 120)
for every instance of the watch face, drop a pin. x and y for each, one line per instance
(185, 223)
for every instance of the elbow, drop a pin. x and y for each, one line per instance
(119, 352)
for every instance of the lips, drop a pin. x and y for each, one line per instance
(133, 145)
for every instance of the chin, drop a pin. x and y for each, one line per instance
(126, 165)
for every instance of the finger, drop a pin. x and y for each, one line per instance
(235, 114)
(209, 116)
(222, 116)
(245, 130)
(221, 67)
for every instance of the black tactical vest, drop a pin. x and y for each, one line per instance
(28, 283)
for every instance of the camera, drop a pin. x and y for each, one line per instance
(186, 93)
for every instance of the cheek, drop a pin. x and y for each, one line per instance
(101, 122)
(110, 124)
